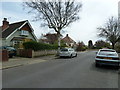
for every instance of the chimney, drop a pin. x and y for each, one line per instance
(5, 24)
(66, 35)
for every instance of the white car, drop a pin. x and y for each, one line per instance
(107, 57)
(67, 52)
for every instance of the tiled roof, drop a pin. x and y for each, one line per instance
(12, 27)
(67, 39)
(50, 38)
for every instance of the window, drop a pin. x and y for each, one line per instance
(70, 49)
(64, 49)
(107, 52)
(15, 42)
(23, 32)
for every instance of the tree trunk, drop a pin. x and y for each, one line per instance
(113, 45)
(59, 44)
(58, 41)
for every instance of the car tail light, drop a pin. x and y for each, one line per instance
(99, 57)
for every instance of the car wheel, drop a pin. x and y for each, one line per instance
(97, 65)
(71, 56)
(10, 56)
(118, 67)
(76, 55)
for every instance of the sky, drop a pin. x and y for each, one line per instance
(94, 13)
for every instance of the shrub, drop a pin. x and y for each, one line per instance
(38, 46)
(61, 42)
(117, 48)
(101, 44)
(81, 46)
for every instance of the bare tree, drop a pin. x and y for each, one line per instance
(110, 31)
(54, 13)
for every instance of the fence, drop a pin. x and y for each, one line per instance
(24, 53)
(31, 53)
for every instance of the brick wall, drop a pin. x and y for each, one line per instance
(4, 55)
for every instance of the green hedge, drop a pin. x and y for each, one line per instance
(38, 46)
(117, 48)
(82, 48)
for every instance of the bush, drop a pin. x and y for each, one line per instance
(61, 42)
(101, 44)
(81, 46)
(117, 48)
(38, 46)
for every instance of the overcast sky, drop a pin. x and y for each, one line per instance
(94, 13)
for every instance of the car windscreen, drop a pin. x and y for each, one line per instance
(10, 48)
(2, 47)
(64, 49)
(108, 52)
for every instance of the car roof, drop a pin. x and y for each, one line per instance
(66, 48)
(108, 49)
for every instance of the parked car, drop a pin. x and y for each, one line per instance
(107, 57)
(67, 52)
(11, 50)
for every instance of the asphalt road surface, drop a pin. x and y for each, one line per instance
(78, 72)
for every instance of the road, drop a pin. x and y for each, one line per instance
(78, 72)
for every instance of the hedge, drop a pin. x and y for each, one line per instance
(38, 46)
(82, 48)
(117, 48)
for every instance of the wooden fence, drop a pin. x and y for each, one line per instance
(31, 53)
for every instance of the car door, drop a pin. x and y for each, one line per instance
(73, 52)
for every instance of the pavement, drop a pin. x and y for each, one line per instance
(20, 61)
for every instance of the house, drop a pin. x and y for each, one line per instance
(52, 38)
(68, 41)
(15, 34)
(49, 38)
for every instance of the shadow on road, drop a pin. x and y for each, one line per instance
(63, 57)
(119, 79)
(108, 67)
(104, 68)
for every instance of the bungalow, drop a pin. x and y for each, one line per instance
(15, 34)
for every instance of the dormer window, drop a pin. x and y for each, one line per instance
(23, 32)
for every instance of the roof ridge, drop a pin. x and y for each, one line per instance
(11, 28)
(15, 23)
(68, 38)
(18, 22)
